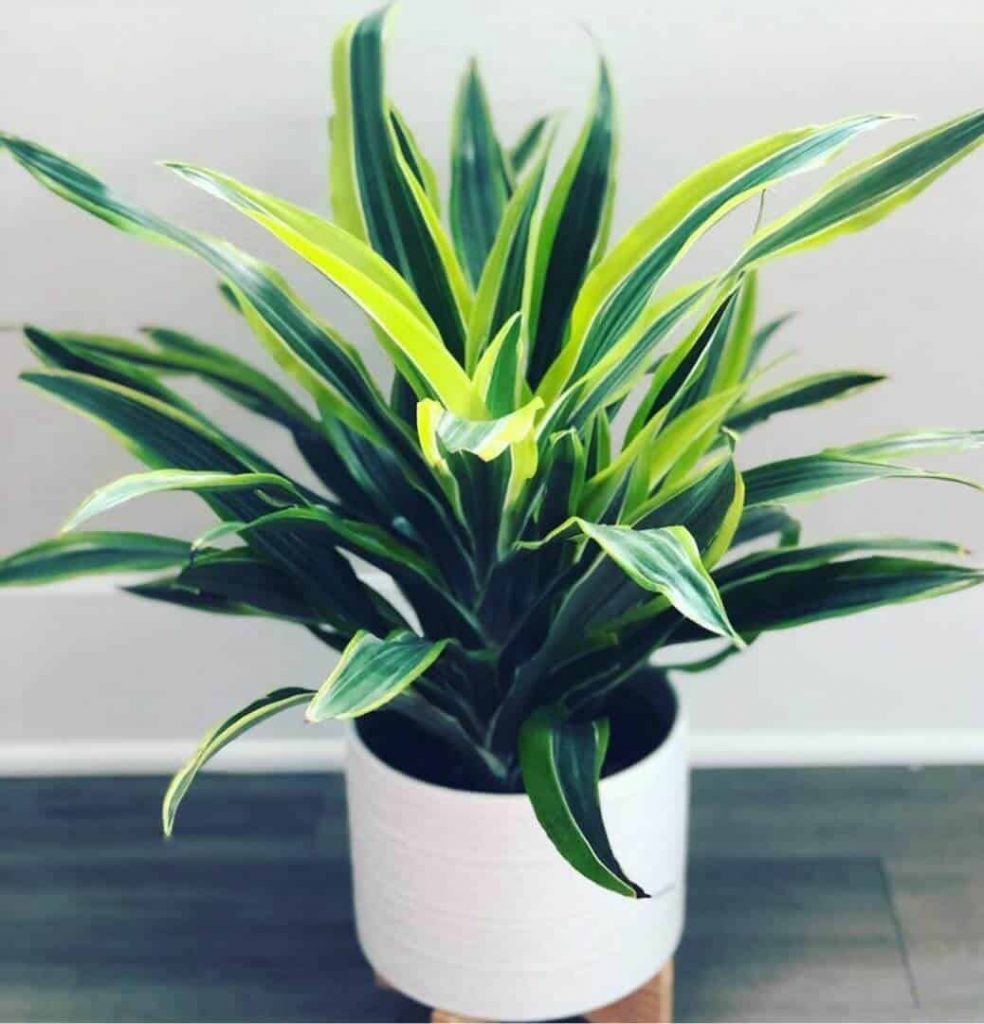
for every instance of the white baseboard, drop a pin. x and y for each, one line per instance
(708, 750)
(164, 757)
(773, 749)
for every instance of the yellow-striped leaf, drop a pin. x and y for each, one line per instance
(619, 286)
(372, 672)
(480, 177)
(137, 485)
(561, 761)
(410, 335)
(866, 192)
(224, 733)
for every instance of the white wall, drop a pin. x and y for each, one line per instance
(243, 86)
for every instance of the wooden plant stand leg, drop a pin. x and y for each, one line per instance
(650, 1004)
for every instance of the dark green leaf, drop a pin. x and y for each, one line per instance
(81, 554)
(568, 230)
(480, 179)
(526, 144)
(372, 672)
(224, 733)
(786, 599)
(763, 520)
(561, 763)
(799, 394)
(809, 475)
(164, 437)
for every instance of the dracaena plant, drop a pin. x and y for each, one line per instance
(551, 483)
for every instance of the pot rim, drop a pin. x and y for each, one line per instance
(622, 778)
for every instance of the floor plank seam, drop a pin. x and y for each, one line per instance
(900, 938)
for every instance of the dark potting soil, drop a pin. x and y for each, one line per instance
(641, 715)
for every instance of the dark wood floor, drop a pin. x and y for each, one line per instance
(821, 895)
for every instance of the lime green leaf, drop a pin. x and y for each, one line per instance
(701, 503)
(667, 562)
(561, 763)
(619, 286)
(694, 371)
(411, 338)
(599, 442)
(375, 192)
(137, 485)
(867, 191)
(800, 394)
(224, 733)
(207, 538)
(732, 364)
(371, 672)
(83, 554)
(625, 364)
(524, 456)
(499, 375)
(632, 462)
(480, 178)
(487, 439)
(727, 530)
(680, 445)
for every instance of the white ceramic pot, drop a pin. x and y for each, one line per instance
(462, 903)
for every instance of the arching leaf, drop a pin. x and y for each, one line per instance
(224, 733)
(83, 554)
(372, 672)
(561, 763)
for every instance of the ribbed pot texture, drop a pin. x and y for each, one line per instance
(462, 903)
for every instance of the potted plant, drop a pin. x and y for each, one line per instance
(552, 488)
